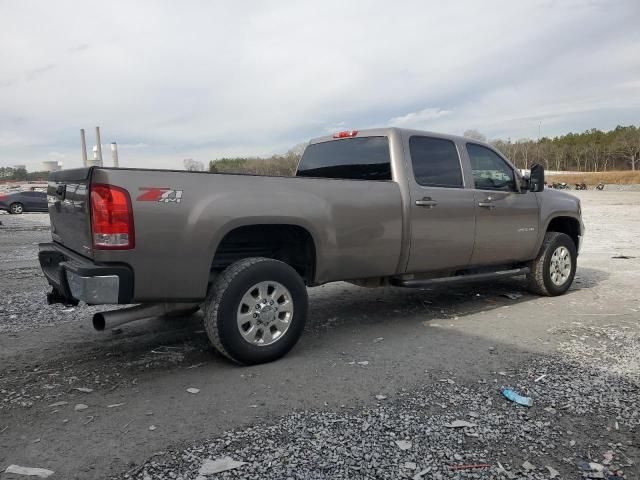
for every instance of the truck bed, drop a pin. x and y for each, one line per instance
(356, 226)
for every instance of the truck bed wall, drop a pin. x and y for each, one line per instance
(356, 225)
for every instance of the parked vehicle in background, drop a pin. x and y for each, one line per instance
(377, 207)
(20, 202)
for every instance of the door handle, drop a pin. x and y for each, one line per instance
(488, 205)
(426, 202)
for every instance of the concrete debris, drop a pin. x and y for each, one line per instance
(460, 424)
(379, 339)
(553, 473)
(209, 467)
(528, 466)
(114, 405)
(193, 390)
(403, 444)
(419, 475)
(152, 427)
(380, 397)
(29, 471)
(410, 465)
(80, 406)
(84, 389)
(469, 466)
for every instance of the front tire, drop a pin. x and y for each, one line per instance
(552, 272)
(16, 208)
(256, 310)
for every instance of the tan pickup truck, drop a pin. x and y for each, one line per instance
(376, 207)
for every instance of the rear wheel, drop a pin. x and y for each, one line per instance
(16, 208)
(552, 272)
(256, 310)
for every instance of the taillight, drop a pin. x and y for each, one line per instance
(346, 134)
(111, 218)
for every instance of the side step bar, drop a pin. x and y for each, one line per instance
(472, 277)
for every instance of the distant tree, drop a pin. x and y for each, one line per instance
(19, 173)
(192, 165)
(37, 176)
(475, 134)
(283, 165)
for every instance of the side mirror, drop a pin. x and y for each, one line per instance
(536, 178)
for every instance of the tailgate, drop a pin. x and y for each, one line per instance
(68, 196)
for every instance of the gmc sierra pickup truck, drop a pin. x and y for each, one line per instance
(377, 207)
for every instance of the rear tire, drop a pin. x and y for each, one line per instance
(256, 310)
(16, 208)
(552, 272)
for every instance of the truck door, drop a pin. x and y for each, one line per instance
(442, 209)
(506, 218)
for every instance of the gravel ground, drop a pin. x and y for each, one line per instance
(368, 392)
(595, 376)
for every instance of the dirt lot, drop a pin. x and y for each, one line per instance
(372, 390)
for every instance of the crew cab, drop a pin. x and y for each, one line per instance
(378, 207)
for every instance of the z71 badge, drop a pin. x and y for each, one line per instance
(161, 195)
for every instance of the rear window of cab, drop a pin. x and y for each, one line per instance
(362, 158)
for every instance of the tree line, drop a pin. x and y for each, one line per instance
(590, 151)
(21, 174)
(284, 165)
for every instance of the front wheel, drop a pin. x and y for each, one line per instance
(16, 208)
(256, 310)
(552, 272)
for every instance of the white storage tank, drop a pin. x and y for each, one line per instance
(51, 166)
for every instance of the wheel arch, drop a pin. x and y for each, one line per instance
(289, 242)
(566, 224)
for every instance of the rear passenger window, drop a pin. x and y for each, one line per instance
(435, 162)
(365, 158)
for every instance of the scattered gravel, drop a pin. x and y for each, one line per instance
(595, 376)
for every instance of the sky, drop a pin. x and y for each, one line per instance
(208, 79)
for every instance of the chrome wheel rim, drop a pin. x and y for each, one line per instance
(17, 209)
(265, 313)
(560, 267)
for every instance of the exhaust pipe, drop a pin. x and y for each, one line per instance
(114, 318)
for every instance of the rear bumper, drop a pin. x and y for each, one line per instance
(74, 278)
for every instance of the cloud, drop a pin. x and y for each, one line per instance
(78, 48)
(420, 118)
(204, 80)
(34, 73)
